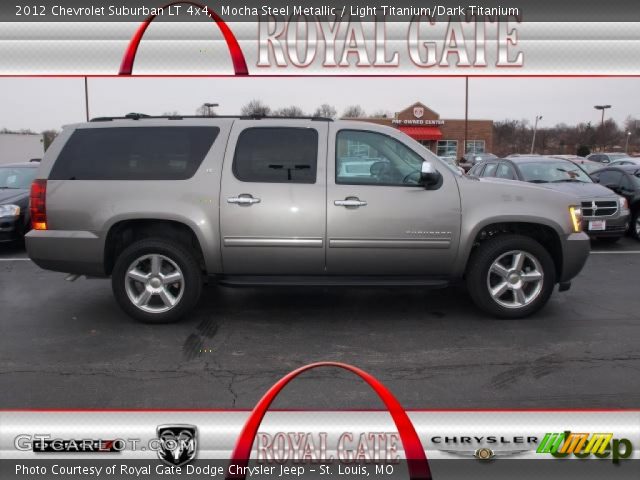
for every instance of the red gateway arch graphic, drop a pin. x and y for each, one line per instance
(237, 57)
(414, 452)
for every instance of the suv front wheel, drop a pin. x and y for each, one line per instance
(156, 281)
(511, 276)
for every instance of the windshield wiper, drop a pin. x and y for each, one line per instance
(568, 180)
(538, 181)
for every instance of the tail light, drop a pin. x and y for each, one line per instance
(38, 205)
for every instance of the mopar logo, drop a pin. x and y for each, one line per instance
(178, 444)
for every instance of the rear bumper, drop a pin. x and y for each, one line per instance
(615, 227)
(575, 251)
(66, 251)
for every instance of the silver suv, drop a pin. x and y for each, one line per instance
(160, 204)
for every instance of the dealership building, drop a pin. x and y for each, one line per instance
(443, 137)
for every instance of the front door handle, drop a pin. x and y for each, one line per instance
(353, 202)
(245, 200)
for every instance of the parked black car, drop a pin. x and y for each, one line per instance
(605, 213)
(15, 183)
(625, 181)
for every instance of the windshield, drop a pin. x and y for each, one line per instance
(553, 172)
(17, 177)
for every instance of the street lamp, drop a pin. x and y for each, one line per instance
(209, 107)
(535, 129)
(626, 145)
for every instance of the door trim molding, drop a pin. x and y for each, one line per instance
(312, 242)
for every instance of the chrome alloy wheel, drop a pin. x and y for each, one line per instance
(154, 283)
(515, 279)
(637, 226)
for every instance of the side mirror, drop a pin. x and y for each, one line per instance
(430, 177)
(613, 187)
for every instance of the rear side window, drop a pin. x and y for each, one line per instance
(276, 155)
(489, 170)
(134, 153)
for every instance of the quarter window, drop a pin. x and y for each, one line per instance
(276, 155)
(377, 160)
(505, 171)
(134, 153)
(447, 148)
(489, 170)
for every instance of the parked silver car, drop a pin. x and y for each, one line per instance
(159, 204)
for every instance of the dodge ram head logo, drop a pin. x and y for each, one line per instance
(418, 112)
(177, 444)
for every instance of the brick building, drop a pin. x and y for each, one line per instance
(442, 137)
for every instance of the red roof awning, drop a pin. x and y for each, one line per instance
(422, 133)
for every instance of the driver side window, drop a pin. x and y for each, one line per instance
(370, 158)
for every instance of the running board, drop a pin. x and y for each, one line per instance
(329, 281)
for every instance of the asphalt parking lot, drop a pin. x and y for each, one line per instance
(67, 345)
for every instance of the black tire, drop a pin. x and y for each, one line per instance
(609, 240)
(634, 228)
(191, 283)
(478, 273)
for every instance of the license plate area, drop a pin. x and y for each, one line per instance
(597, 225)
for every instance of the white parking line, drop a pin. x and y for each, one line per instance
(15, 259)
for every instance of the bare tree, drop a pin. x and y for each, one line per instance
(206, 111)
(291, 111)
(325, 111)
(255, 108)
(354, 111)
(381, 114)
(48, 136)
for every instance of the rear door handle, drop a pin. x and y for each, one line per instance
(244, 199)
(350, 202)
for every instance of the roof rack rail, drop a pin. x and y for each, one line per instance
(142, 116)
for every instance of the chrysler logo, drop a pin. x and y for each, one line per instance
(178, 444)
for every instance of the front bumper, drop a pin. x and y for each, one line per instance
(11, 229)
(615, 226)
(575, 251)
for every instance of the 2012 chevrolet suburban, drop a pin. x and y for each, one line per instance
(160, 204)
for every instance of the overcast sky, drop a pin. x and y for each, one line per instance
(48, 103)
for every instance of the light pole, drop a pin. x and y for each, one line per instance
(209, 107)
(535, 129)
(603, 108)
(626, 145)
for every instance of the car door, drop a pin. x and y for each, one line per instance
(272, 204)
(380, 220)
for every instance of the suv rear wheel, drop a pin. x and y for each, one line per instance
(511, 276)
(156, 281)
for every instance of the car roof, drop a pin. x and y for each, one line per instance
(536, 158)
(633, 169)
(22, 165)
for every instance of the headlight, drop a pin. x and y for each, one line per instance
(624, 205)
(576, 218)
(9, 211)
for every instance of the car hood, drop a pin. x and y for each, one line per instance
(579, 189)
(14, 196)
